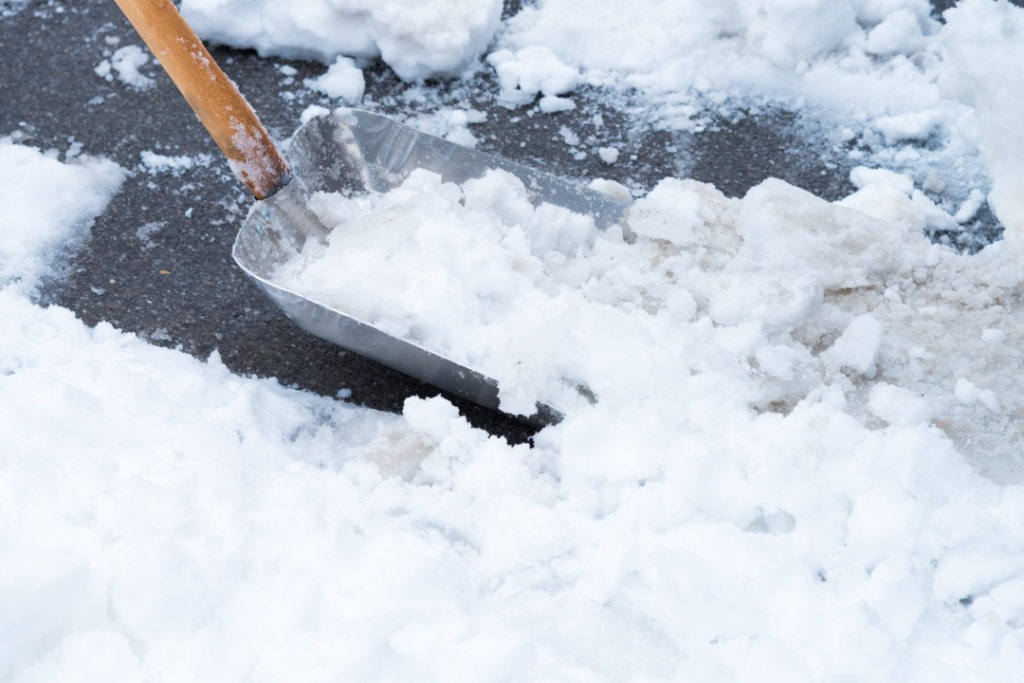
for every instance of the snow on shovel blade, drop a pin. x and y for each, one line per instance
(351, 150)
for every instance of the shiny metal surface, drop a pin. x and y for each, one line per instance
(353, 151)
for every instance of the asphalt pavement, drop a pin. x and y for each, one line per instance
(158, 262)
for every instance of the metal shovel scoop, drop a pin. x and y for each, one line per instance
(347, 150)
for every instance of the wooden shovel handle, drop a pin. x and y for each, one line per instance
(229, 119)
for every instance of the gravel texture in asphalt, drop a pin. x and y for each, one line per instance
(158, 263)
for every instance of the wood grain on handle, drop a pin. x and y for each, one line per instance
(229, 119)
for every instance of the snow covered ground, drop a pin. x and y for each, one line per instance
(804, 458)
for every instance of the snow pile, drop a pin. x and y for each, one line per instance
(771, 484)
(416, 39)
(46, 205)
(806, 293)
(986, 71)
(673, 46)
(767, 487)
(125, 468)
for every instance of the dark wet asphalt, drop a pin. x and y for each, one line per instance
(177, 285)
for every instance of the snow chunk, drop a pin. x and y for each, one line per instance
(899, 32)
(793, 228)
(912, 126)
(966, 391)
(672, 211)
(993, 337)
(551, 104)
(884, 201)
(343, 80)
(898, 406)
(969, 209)
(612, 188)
(311, 112)
(432, 416)
(570, 137)
(416, 39)
(534, 69)
(857, 348)
(450, 124)
(935, 216)
(861, 177)
(609, 155)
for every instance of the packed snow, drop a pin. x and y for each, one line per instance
(792, 443)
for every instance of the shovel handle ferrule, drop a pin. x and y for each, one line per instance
(214, 98)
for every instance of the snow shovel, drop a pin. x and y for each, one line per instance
(348, 150)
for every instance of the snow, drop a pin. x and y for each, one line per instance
(449, 123)
(857, 347)
(532, 70)
(861, 176)
(416, 39)
(985, 69)
(161, 163)
(915, 126)
(55, 209)
(125, 63)
(609, 155)
(791, 448)
(343, 81)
